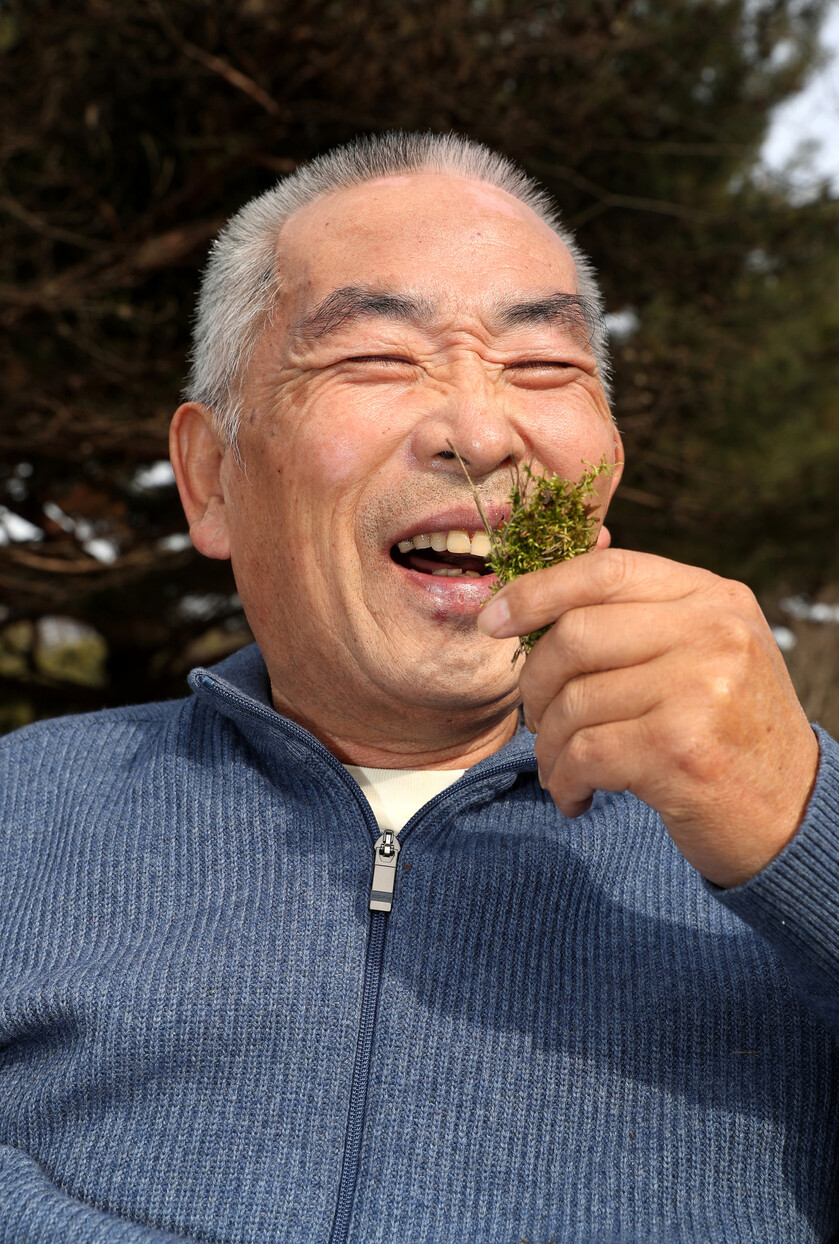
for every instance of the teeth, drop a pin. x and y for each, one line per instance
(450, 572)
(458, 542)
(451, 542)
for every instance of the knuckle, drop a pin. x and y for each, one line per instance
(721, 693)
(572, 699)
(740, 595)
(570, 631)
(697, 758)
(736, 634)
(701, 748)
(613, 569)
(581, 747)
(734, 599)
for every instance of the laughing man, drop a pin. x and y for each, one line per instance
(319, 954)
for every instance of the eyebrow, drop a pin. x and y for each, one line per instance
(571, 311)
(353, 302)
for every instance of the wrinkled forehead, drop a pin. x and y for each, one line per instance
(447, 240)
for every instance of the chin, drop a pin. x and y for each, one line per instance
(455, 682)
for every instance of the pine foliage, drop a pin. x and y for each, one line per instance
(132, 128)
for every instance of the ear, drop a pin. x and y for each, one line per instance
(619, 462)
(197, 455)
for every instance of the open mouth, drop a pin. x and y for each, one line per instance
(448, 554)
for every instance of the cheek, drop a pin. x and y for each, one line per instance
(581, 432)
(338, 459)
(340, 442)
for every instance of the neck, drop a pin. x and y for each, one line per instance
(377, 744)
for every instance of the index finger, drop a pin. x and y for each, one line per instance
(603, 576)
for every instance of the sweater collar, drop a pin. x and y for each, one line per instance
(240, 690)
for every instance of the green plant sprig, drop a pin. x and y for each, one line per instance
(551, 520)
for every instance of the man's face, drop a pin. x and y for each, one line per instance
(416, 313)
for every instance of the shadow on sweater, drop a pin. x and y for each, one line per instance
(589, 955)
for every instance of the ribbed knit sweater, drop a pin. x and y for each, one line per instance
(559, 1032)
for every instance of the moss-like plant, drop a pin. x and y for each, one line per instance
(551, 520)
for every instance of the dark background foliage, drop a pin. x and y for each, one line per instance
(133, 128)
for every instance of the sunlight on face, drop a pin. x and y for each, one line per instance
(415, 312)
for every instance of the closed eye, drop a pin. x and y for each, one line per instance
(541, 374)
(387, 359)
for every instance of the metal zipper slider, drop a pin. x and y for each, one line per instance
(385, 854)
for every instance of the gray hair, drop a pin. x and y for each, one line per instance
(241, 283)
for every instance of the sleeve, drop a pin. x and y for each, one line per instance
(33, 1210)
(793, 903)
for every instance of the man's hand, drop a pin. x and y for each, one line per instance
(663, 680)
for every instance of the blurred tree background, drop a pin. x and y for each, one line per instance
(132, 128)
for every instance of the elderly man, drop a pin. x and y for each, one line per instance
(318, 954)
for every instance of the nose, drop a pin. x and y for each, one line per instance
(476, 421)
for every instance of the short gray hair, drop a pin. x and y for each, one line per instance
(241, 283)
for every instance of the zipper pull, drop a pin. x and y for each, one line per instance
(385, 855)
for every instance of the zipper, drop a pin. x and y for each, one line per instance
(385, 855)
(360, 1077)
(386, 850)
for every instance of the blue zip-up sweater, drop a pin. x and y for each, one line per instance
(559, 1032)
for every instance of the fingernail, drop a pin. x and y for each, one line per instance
(541, 779)
(494, 617)
(528, 721)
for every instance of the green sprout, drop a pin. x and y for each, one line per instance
(551, 520)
